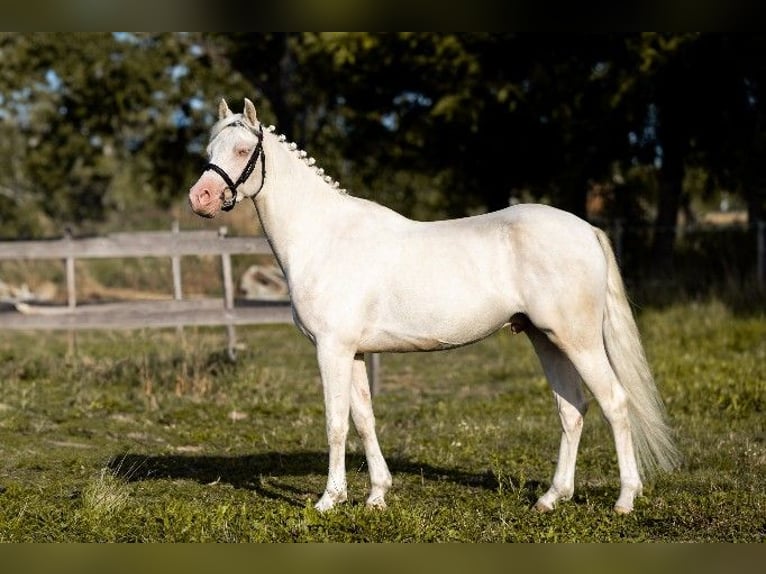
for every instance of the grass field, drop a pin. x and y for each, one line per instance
(150, 436)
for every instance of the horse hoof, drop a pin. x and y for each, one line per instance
(323, 505)
(376, 504)
(622, 510)
(541, 507)
(327, 502)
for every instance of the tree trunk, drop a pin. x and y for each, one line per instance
(755, 196)
(671, 187)
(575, 199)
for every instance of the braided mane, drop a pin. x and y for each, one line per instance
(307, 159)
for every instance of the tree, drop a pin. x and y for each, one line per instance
(108, 120)
(476, 115)
(432, 124)
(705, 95)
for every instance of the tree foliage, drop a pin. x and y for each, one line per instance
(432, 124)
(102, 122)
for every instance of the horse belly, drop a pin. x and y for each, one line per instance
(413, 320)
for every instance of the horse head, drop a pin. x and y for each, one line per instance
(236, 147)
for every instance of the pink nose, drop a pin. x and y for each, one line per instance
(203, 201)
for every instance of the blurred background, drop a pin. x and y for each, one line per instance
(658, 138)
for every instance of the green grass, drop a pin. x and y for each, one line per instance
(149, 436)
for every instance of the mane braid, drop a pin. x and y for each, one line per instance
(307, 159)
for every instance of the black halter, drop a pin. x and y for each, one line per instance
(230, 202)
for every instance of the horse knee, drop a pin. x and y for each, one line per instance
(363, 417)
(337, 431)
(365, 426)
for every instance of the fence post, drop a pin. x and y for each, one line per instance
(228, 295)
(372, 363)
(761, 253)
(176, 264)
(71, 286)
(71, 291)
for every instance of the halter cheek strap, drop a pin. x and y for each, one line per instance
(229, 202)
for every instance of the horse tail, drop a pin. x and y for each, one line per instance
(651, 434)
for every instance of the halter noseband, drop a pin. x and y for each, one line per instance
(229, 202)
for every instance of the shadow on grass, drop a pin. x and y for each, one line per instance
(245, 472)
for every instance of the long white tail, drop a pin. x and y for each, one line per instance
(651, 434)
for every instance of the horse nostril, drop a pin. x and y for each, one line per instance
(204, 196)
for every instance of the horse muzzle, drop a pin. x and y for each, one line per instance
(204, 202)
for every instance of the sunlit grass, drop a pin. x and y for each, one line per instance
(152, 436)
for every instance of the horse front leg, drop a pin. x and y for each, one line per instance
(364, 421)
(335, 366)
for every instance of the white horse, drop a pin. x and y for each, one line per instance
(363, 278)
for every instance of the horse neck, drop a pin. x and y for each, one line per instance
(295, 204)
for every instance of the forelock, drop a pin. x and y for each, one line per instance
(221, 124)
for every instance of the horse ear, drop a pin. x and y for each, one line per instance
(223, 109)
(250, 112)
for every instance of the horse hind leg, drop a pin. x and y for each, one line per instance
(566, 384)
(364, 421)
(599, 376)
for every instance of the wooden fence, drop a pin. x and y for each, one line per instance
(617, 230)
(227, 311)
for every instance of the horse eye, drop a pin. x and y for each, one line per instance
(243, 151)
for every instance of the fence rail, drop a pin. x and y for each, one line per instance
(140, 314)
(177, 311)
(140, 244)
(618, 229)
